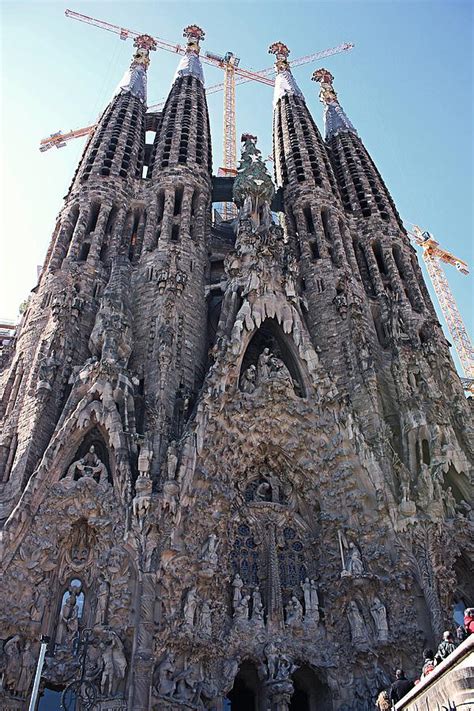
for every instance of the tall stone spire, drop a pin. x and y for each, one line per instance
(335, 118)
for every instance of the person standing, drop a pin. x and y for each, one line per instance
(400, 686)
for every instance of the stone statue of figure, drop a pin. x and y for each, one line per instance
(205, 621)
(11, 651)
(28, 665)
(279, 371)
(68, 620)
(359, 633)
(257, 608)
(103, 591)
(271, 655)
(47, 372)
(264, 368)
(114, 664)
(166, 677)
(209, 551)
(294, 611)
(379, 616)
(248, 380)
(449, 503)
(242, 609)
(425, 486)
(171, 460)
(237, 585)
(354, 564)
(38, 605)
(190, 606)
(88, 466)
(311, 600)
(144, 459)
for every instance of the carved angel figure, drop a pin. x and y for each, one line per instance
(88, 466)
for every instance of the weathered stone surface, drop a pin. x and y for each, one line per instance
(232, 456)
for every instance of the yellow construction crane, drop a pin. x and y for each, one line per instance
(433, 254)
(233, 74)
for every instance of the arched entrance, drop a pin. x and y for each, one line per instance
(311, 693)
(245, 694)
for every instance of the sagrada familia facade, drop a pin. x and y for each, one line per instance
(234, 455)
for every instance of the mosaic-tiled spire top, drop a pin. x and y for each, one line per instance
(335, 119)
(134, 80)
(253, 179)
(284, 81)
(190, 63)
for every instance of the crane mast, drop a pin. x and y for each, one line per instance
(432, 255)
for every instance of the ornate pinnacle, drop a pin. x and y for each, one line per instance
(327, 95)
(194, 35)
(281, 52)
(253, 185)
(144, 44)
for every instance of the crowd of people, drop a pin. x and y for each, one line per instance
(387, 698)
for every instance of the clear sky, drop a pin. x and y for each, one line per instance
(407, 87)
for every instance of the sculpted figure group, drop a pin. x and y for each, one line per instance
(268, 369)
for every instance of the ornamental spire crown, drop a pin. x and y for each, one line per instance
(285, 83)
(134, 81)
(190, 63)
(335, 119)
(253, 186)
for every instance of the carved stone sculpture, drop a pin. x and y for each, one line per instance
(103, 591)
(190, 605)
(241, 613)
(359, 634)
(28, 665)
(114, 664)
(294, 612)
(379, 616)
(237, 585)
(89, 466)
(248, 380)
(68, 620)
(13, 662)
(205, 620)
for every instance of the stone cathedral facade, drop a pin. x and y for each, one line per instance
(235, 456)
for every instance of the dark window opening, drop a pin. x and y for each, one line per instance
(178, 199)
(175, 233)
(326, 225)
(93, 215)
(84, 253)
(309, 219)
(378, 254)
(314, 249)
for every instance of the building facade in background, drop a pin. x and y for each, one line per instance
(234, 455)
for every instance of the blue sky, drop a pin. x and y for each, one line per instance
(407, 87)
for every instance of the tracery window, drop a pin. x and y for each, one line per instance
(245, 556)
(293, 569)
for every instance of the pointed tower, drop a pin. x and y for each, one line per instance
(93, 228)
(366, 198)
(172, 257)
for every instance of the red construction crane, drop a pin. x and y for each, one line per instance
(432, 255)
(233, 74)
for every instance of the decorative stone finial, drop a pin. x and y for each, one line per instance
(281, 52)
(327, 95)
(284, 82)
(190, 63)
(144, 44)
(194, 35)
